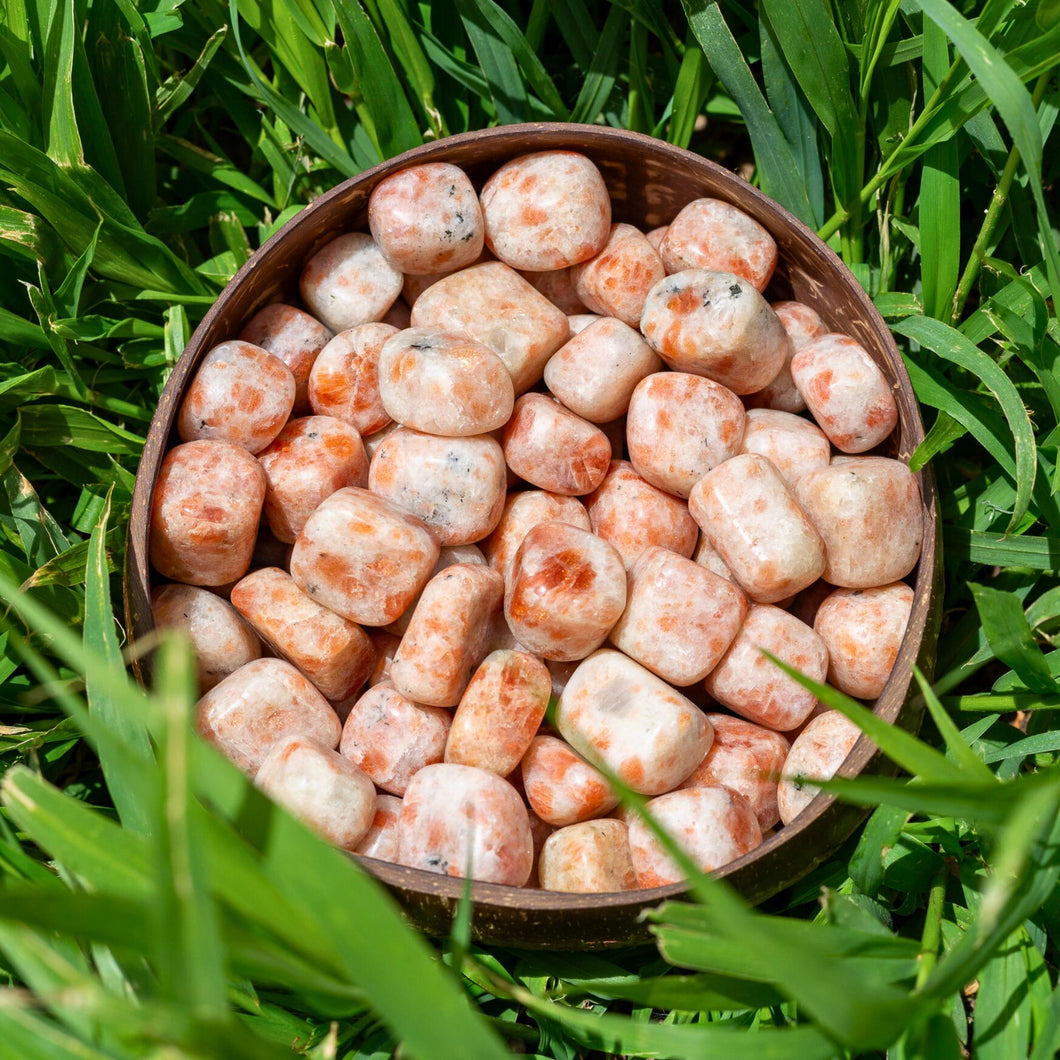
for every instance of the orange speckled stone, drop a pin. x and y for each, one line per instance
(261, 704)
(802, 325)
(241, 394)
(793, 445)
(680, 617)
(715, 324)
(679, 426)
(632, 514)
(522, 512)
(565, 591)
(444, 384)
(500, 712)
(750, 684)
(220, 638)
(381, 839)
(588, 858)
(392, 738)
(863, 629)
(448, 634)
(344, 382)
(616, 282)
(449, 555)
(713, 234)
(616, 712)
(293, 336)
(762, 533)
(493, 304)
(558, 287)
(546, 210)
(462, 821)
(712, 825)
(455, 485)
(349, 282)
(426, 219)
(706, 555)
(363, 557)
(868, 511)
(746, 758)
(817, 753)
(205, 511)
(321, 788)
(561, 787)
(594, 374)
(334, 653)
(550, 447)
(311, 458)
(845, 390)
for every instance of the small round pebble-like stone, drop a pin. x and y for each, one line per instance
(220, 637)
(802, 325)
(311, 458)
(746, 758)
(363, 556)
(426, 218)
(715, 324)
(863, 630)
(349, 282)
(462, 821)
(754, 521)
(381, 839)
(500, 712)
(680, 618)
(552, 448)
(561, 787)
(792, 444)
(868, 511)
(845, 391)
(565, 591)
(713, 234)
(632, 514)
(522, 512)
(344, 381)
(712, 825)
(580, 321)
(241, 394)
(333, 652)
(449, 555)
(588, 858)
(616, 282)
(205, 511)
(679, 426)
(455, 485)
(752, 685)
(616, 712)
(392, 738)
(448, 634)
(293, 336)
(261, 704)
(816, 753)
(557, 286)
(322, 789)
(546, 210)
(595, 373)
(444, 384)
(706, 555)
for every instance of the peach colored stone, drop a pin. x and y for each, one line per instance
(293, 336)
(680, 618)
(333, 652)
(220, 638)
(349, 282)
(522, 512)
(557, 286)
(363, 557)
(816, 754)
(655, 236)
(381, 839)
(392, 738)
(561, 787)
(717, 325)
(240, 393)
(616, 282)
(802, 325)
(793, 445)
(462, 821)
(262, 704)
(311, 458)
(762, 533)
(749, 683)
(449, 555)
(863, 630)
(399, 315)
(565, 591)
(588, 858)
(344, 382)
(205, 511)
(580, 321)
(546, 210)
(426, 218)
(706, 555)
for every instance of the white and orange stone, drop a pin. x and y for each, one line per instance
(561, 787)
(802, 324)
(792, 444)
(381, 839)
(522, 512)
(292, 335)
(616, 282)
(816, 754)
(344, 381)
(592, 857)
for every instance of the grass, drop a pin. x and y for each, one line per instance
(152, 903)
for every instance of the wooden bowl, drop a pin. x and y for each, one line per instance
(649, 182)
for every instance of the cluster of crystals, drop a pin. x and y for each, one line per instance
(511, 451)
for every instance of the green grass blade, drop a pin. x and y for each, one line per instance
(695, 79)
(24, 1032)
(501, 71)
(63, 138)
(1009, 636)
(1001, 550)
(956, 745)
(174, 93)
(602, 71)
